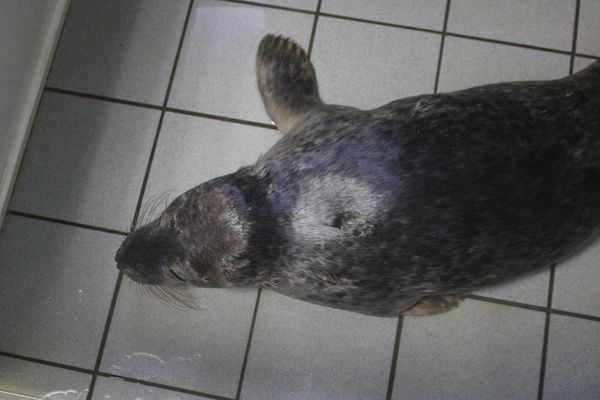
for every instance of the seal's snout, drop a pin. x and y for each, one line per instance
(119, 257)
(149, 254)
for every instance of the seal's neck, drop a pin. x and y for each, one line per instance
(234, 220)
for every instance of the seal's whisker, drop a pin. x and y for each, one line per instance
(148, 206)
(173, 298)
(156, 293)
(142, 219)
(151, 206)
(182, 297)
(156, 206)
(141, 216)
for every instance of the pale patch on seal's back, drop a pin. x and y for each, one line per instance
(347, 210)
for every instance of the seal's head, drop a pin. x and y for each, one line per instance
(197, 240)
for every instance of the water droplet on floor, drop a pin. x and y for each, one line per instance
(69, 394)
(144, 355)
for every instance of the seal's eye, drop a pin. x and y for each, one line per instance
(176, 276)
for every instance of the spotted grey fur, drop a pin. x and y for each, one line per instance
(400, 209)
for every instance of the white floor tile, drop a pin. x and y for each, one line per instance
(309, 5)
(421, 14)
(367, 66)
(118, 389)
(581, 63)
(23, 380)
(86, 161)
(122, 49)
(57, 285)
(577, 283)
(305, 351)
(588, 31)
(478, 351)
(200, 350)
(193, 150)
(532, 289)
(467, 63)
(544, 23)
(216, 71)
(573, 360)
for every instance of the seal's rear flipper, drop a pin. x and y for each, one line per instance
(286, 80)
(430, 305)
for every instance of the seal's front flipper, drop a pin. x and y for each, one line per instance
(286, 80)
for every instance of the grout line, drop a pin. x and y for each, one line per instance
(575, 27)
(415, 28)
(313, 31)
(392, 377)
(65, 222)
(163, 386)
(46, 362)
(546, 333)
(458, 35)
(442, 41)
(444, 33)
(509, 43)
(103, 98)
(178, 54)
(593, 57)
(221, 118)
(533, 307)
(162, 115)
(506, 302)
(248, 345)
(266, 5)
(138, 207)
(140, 199)
(576, 315)
(111, 310)
(160, 108)
(380, 23)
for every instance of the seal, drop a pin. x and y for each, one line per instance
(397, 210)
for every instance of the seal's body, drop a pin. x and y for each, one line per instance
(401, 209)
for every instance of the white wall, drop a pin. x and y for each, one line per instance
(29, 30)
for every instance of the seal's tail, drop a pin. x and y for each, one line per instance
(286, 80)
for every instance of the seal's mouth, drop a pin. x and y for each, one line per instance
(169, 276)
(138, 277)
(176, 276)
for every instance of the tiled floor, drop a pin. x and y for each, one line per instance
(153, 96)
